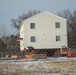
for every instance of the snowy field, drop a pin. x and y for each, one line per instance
(49, 66)
(51, 59)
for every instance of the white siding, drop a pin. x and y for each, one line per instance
(45, 31)
(22, 36)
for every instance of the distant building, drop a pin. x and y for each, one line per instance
(43, 31)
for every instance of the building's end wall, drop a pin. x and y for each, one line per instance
(45, 32)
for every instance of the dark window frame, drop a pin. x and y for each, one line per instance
(33, 39)
(58, 38)
(32, 25)
(57, 24)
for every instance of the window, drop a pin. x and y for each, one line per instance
(57, 25)
(57, 38)
(32, 25)
(33, 39)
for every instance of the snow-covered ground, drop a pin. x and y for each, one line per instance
(48, 66)
(51, 59)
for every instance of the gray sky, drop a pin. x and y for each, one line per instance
(13, 8)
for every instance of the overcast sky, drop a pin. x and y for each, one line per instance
(13, 8)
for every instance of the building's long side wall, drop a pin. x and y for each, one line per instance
(45, 32)
(22, 36)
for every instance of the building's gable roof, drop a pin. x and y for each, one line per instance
(40, 14)
(43, 13)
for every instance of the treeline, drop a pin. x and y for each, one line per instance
(9, 45)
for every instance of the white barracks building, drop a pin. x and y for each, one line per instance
(43, 31)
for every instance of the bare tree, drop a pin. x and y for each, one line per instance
(17, 22)
(71, 18)
(3, 33)
(71, 25)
